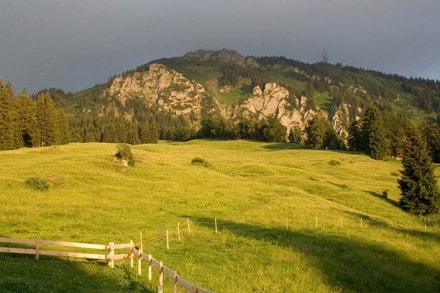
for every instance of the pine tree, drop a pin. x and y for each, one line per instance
(63, 131)
(373, 132)
(9, 118)
(321, 135)
(47, 118)
(432, 135)
(356, 139)
(418, 185)
(28, 121)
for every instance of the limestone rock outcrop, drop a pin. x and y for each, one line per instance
(168, 89)
(274, 101)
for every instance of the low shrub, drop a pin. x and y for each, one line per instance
(124, 153)
(200, 161)
(37, 183)
(334, 163)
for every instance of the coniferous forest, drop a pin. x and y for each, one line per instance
(30, 121)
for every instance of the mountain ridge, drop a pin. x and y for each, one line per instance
(203, 84)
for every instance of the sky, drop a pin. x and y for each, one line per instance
(75, 44)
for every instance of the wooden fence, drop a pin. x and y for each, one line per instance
(109, 255)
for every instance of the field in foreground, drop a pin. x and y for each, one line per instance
(289, 220)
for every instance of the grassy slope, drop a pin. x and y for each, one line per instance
(254, 190)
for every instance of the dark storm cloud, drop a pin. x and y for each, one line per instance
(75, 44)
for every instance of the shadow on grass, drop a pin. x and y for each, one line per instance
(22, 273)
(426, 235)
(384, 198)
(347, 264)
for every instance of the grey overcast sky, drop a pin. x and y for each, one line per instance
(74, 44)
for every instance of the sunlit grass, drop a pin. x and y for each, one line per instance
(289, 220)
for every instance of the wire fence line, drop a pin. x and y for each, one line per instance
(164, 238)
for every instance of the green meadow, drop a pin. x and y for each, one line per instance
(288, 219)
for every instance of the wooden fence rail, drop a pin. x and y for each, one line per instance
(110, 257)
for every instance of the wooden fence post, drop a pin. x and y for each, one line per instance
(361, 222)
(175, 282)
(111, 261)
(168, 240)
(215, 222)
(160, 286)
(150, 275)
(131, 253)
(189, 229)
(178, 231)
(140, 251)
(37, 247)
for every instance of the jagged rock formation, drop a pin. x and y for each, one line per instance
(168, 89)
(340, 119)
(274, 101)
(224, 55)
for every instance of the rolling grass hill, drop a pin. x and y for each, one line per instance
(289, 220)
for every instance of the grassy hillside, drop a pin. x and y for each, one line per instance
(289, 219)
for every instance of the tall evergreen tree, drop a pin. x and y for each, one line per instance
(316, 132)
(418, 185)
(432, 135)
(373, 132)
(47, 118)
(63, 127)
(356, 140)
(28, 121)
(321, 135)
(9, 118)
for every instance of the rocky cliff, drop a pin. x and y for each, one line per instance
(168, 89)
(274, 101)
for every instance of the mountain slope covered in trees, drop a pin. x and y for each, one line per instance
(223, 94)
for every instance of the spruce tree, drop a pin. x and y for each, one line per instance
(355, 140)
(28, 121)
(316, 130)
(47, 118)
(418, 185)
(374, 133)
(321, 135)
(9, 118)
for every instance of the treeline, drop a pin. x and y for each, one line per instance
(30, 122)
(382, 134)
(108, 120)
(269, 129)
